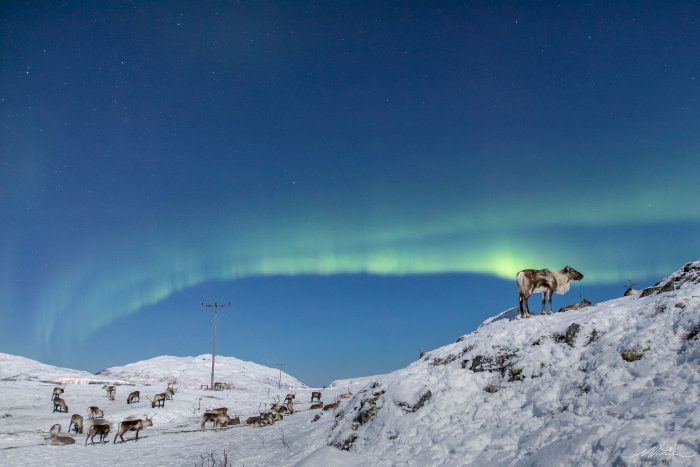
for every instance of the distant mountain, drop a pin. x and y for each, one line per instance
(595, 386)
(193, 372)
(16, 368)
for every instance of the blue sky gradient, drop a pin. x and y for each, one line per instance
(354, 165)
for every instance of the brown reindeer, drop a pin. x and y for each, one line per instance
(59, 405)
(345, 395)
(218, 410)
(95, 412)
(55, 438)
(101, 428)
(234, 421)
(169, 393)
(253, 420)
(159, 400)
(546, 281)
(57, 391)
(55, 429)
(289, 397)
(76, 421)
(279, 408)
(318, 405)
(132, 425)
(111, 391)
(217, 419)
(316, 395)
(264, 419)
(133, 395)
(332, 406)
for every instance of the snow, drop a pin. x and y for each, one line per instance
(329, 456)
(192, 372)
(550, 403)
(15, 368)
(549, 390)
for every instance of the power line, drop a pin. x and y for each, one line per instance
(214, 306)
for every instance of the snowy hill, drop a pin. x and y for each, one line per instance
(192, 372)
(16, 368)
(617, 383)
(595, 386)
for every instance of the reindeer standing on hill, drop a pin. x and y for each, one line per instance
(546, 281)
(59, 405)
(133, 395)
(98, 427)
(111, 391)
(132, 425)
(57, 391)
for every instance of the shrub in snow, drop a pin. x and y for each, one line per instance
(516, 374)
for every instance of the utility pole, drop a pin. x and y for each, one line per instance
(215, 306)
(279, 383)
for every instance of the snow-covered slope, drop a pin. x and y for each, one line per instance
(193, 372)
(15, 368)
(354, 382)
(595, 386)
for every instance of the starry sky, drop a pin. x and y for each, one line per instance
(359, 179)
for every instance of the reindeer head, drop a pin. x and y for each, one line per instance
(572, 273)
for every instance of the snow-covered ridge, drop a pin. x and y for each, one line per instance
(193, 372)
(16, 368)
(595, 386)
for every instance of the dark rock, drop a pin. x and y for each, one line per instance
(425, 397)
(347, 443)
(667, 287)
(576, 306)
(499, 362)
(593, 336)
(444, 360)
(569, 335)
(633, 354)
(694, 332)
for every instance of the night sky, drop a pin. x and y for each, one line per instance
(359, 180)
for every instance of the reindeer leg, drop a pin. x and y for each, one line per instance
(551, 293)
(526, 300)
(544, 301)
(520, 304)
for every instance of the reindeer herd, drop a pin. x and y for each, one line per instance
(278, 409)
(98, 426)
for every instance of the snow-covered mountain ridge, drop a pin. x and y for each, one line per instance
(596, 386)
(194, 371)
